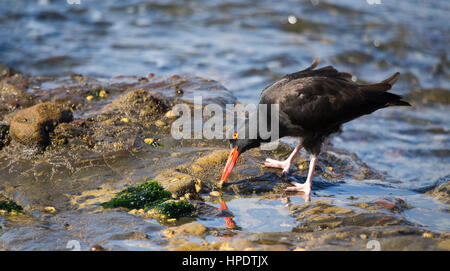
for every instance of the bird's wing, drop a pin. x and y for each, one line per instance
(324, 99)
(327, 71)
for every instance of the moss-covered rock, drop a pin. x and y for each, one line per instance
(146, 195)
(174, 209)
(150, 195)
(139, 104)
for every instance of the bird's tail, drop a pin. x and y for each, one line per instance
(391, 80)
(384, 85)
(394, 99)
(378, 92)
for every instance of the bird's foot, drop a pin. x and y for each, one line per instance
(301, 187)
(285, 165)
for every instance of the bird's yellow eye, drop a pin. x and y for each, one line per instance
(235, 135)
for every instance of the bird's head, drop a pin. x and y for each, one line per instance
(238, 146)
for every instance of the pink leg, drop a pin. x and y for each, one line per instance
(286, 164)
(305, 187)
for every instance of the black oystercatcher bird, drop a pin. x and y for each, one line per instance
(313, 104)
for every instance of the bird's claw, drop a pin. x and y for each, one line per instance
(286, 166)
(299, 187)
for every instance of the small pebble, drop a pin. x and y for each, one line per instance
(97, 248)
(198, 187)
(160, 123)
(103, 94)
(90, 98)
(143, 112)
(124, 119)
(170, 115)
(50, 209)
(215, 193)
(149, 140)
(428, 235)
(179, 91)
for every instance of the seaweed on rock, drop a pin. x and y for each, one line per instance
(150, 195)
(9, 206)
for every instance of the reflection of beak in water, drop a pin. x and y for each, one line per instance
(229, 219)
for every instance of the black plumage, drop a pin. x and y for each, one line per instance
(314, 103)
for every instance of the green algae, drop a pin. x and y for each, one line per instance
(150, 195)
(146, 195)
(174, 209)
(10, 206)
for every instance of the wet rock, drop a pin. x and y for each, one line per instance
(11, 98)
(367, 205)
(177, 183)
(97, 248)
(68, 130)
(193, 228)
(31, 126)
(441, 192)
(188, 246)
(322, 214)
(50, 209)
(215, 193)
(267, 182)
(445, 245)
(241, 244)
(4, 134)
(170, 115)
(391, 204)
(205, 168)
(139, 103)
(207, 161)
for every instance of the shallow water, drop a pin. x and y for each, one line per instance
(246, 45)
(257, 215)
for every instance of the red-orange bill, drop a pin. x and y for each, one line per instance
(229, 166)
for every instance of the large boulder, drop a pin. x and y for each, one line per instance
(31, 126)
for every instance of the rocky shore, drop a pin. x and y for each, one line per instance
(69, 145)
